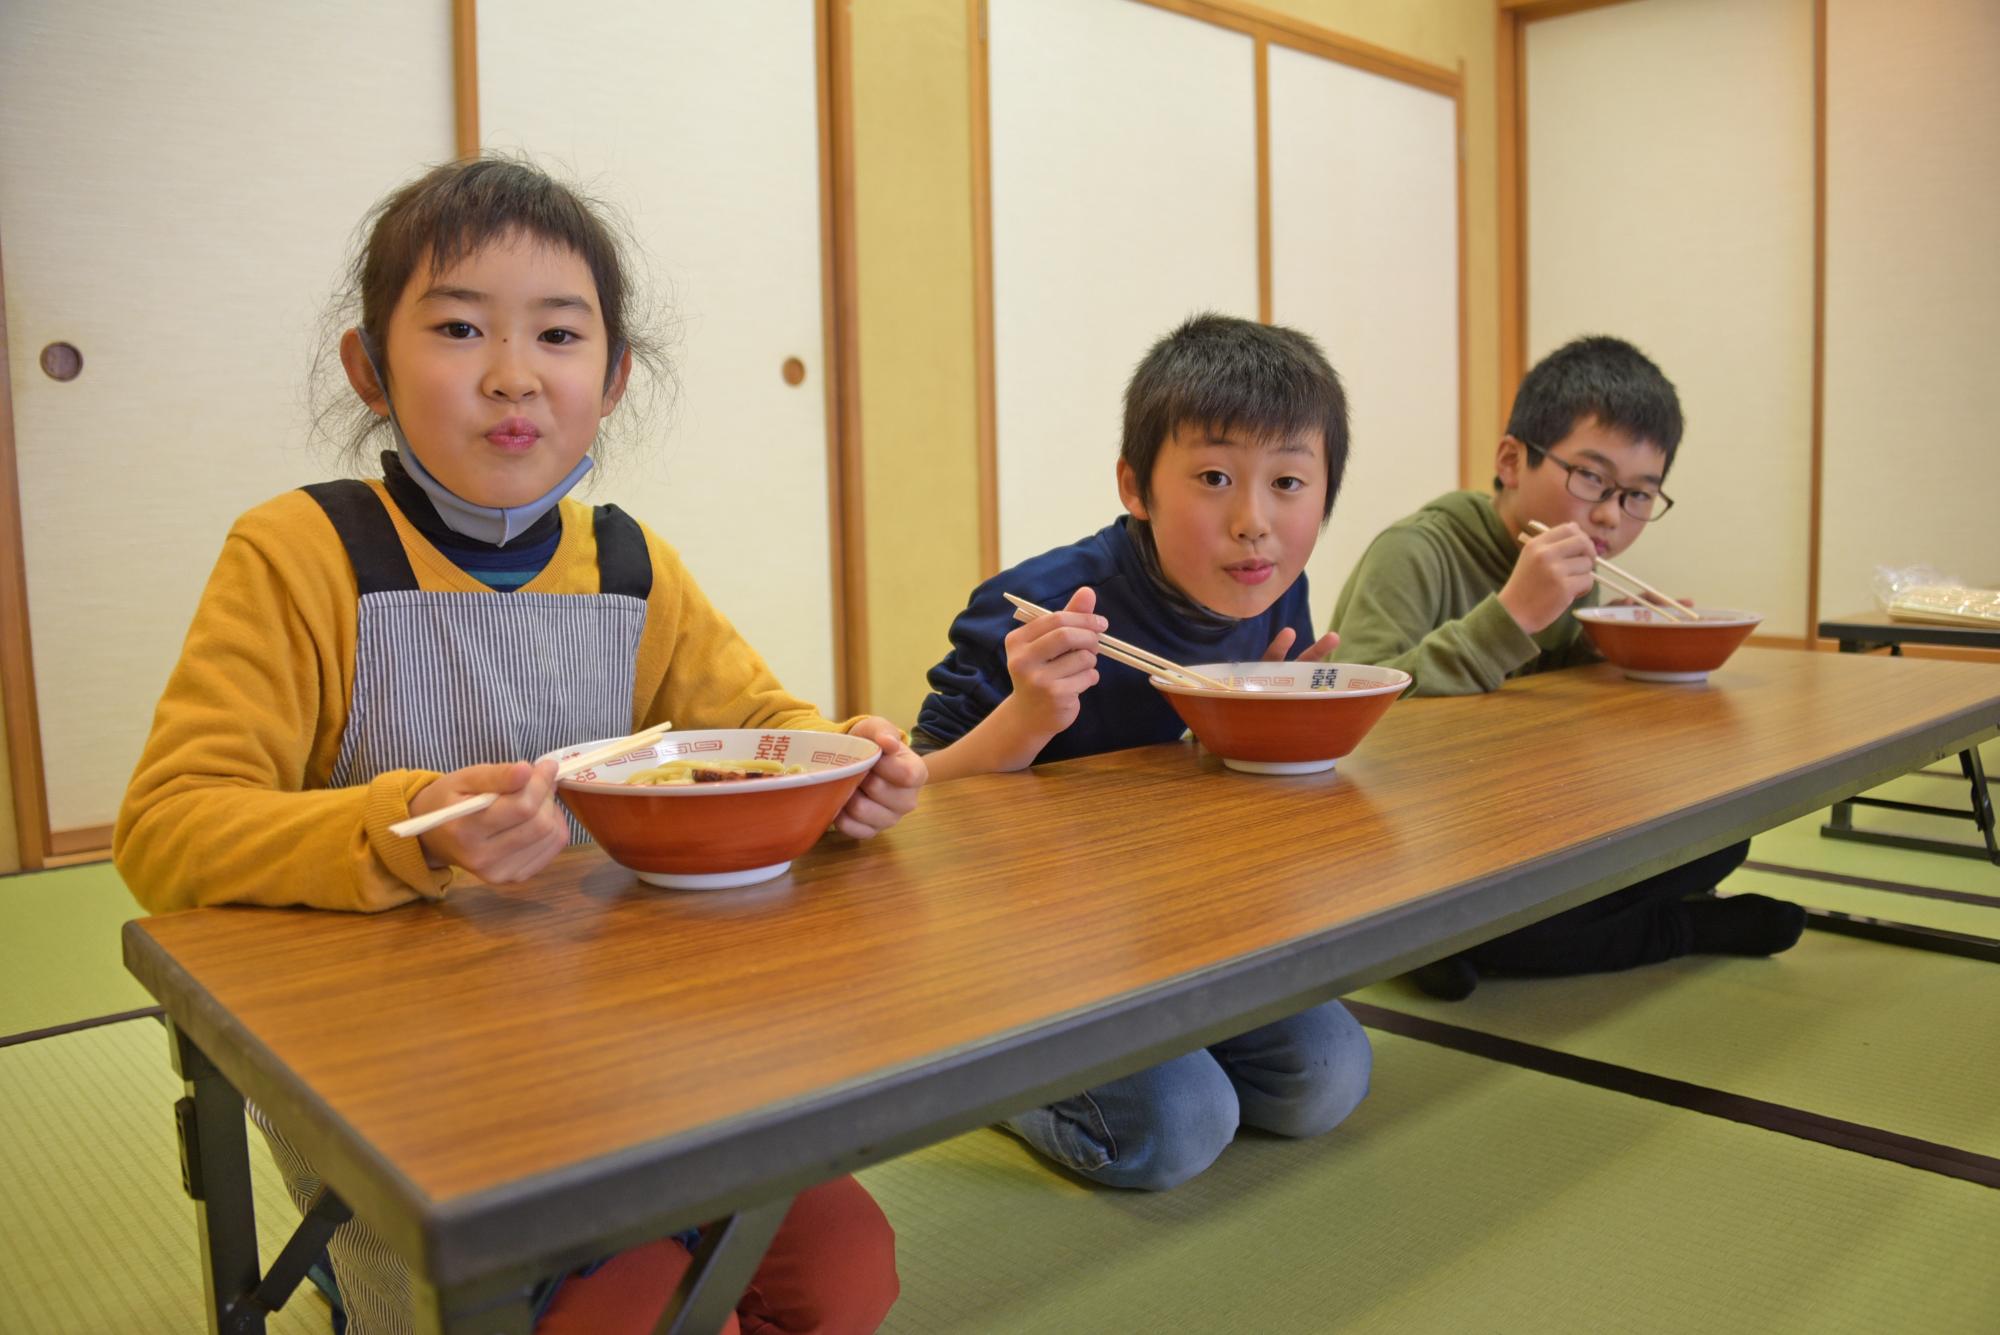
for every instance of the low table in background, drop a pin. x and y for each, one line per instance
(1874, 630)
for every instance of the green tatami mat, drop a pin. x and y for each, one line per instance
(1897, 1039)
(1945, 915)
(100, 1236)
(59, 953)
(1463, 1196)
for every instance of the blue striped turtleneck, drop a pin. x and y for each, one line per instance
(502, 569)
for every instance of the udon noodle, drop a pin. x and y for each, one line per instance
(679, 772)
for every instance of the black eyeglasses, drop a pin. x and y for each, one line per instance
(1587, 484)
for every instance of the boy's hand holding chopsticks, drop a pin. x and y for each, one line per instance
(1615, 578)
(1053, 661)
(1557, 566)
(1317, 652)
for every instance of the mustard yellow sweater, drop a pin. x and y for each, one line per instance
(229, 804)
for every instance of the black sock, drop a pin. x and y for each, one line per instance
(1744, 925)
(1450, 979)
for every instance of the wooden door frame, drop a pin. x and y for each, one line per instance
(840, 320)
(1265, 28)
(1511, 20)
(17, 657)
(39, 846)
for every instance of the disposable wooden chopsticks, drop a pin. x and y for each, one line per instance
(1638, 590)
(1131, 655)
(416, 825)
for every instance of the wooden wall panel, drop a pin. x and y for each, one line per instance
(177, 195)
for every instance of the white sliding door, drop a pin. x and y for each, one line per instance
(1124, 200)
(178, 183)
(701, 121)
(1911, 472)
(1670, 199)
(1364, 257)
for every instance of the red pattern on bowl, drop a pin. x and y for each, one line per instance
(1288, 718)
(712, 835)
(1651, 646)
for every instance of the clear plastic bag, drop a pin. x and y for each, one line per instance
(1923, 593)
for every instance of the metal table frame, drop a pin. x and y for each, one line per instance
(215, 1173)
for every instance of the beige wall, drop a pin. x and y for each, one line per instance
(914, 242)
(1683, 221)
(1912, 294)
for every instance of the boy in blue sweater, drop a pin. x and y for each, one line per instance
(1235, 439)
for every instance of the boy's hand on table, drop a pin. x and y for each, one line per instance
(889, 792)
(1317, 652)
(1554, 570)
(509, 841)
(1053, 661)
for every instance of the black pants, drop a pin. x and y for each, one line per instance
(1641, 924)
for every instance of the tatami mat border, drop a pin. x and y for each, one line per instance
(1870, 883)
(29, 1036)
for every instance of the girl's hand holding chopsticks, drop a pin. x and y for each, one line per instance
(1556, 567)
(511, 839)
(500, 822)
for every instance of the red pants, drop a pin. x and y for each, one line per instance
(830, 1270)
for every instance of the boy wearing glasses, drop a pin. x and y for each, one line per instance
(1452, 596)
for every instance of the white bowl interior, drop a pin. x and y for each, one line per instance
(825, 755)
(1649, 616)
(1292, 681)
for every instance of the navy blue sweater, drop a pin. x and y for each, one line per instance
(1122, 709)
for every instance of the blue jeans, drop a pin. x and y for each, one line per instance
(1299, 1076)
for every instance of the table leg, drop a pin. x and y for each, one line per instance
(723, 1263)
(1982, 800)
(1935, 939)
(713, 1284)
(512, 1315)
(215, 1172)
(1842, 815)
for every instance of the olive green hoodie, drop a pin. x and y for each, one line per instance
(1423, 599)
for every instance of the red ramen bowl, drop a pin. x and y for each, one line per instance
(1285, 718)
(1652, 646)
(710, 836)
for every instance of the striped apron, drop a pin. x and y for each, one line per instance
(446, 680)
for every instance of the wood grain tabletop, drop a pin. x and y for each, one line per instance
(504, 1033)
